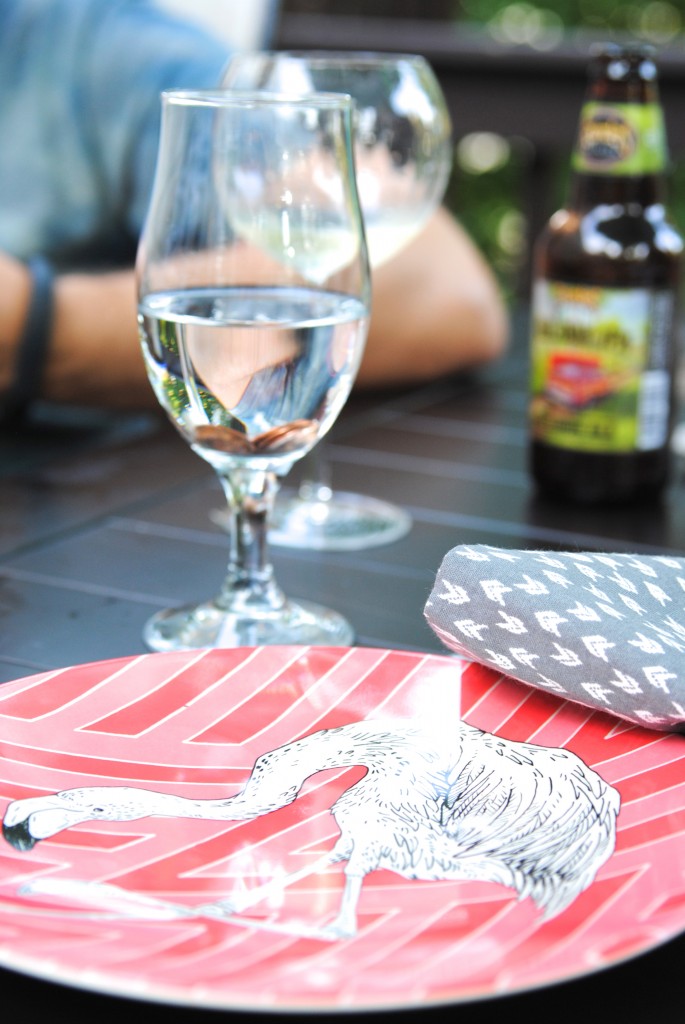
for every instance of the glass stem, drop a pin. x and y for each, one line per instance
(316, 484)
(250, 585)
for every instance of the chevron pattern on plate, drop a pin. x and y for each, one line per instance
(117, 905)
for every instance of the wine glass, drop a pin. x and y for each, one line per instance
(403, 156)
(252, 339)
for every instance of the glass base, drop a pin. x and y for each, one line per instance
(208, 625)
(342, 522)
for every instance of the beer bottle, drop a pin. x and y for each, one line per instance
(606, 274)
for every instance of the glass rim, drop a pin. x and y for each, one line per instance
(219, 99)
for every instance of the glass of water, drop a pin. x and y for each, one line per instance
(253, 299)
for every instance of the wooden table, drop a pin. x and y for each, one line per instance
(104, 519)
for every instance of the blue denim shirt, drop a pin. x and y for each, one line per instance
(79, 120)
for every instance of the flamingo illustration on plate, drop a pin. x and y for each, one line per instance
(437, 802)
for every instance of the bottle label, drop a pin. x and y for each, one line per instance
(600, 367)
(620, 138)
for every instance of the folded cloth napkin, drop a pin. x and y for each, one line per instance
(607, 631)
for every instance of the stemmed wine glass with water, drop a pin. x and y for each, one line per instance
(403, 158)
(252, 338)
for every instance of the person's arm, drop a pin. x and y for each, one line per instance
(15, 293)
(436, 309)
(94, 356)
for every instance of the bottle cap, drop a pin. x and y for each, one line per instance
(622, 62)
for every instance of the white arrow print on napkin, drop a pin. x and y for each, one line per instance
(598, 645)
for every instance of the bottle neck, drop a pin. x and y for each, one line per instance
(588, 190)
(620, 151)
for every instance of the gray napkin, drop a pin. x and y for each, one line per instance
(607, 631)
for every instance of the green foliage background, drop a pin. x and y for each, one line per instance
(489, 201)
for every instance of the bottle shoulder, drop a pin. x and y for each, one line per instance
(618, 243)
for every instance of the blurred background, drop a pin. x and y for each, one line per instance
(507, 182)
(513, 72)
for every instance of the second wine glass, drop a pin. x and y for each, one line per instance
(403, 159)
(253, 291)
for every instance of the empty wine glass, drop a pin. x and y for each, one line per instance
(252, 339)
(403, 156)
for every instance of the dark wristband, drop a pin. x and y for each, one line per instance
(33, 345)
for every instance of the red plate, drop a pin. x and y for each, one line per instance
(129, 905)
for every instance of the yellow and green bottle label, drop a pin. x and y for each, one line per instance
(600, 367)
(620, 138)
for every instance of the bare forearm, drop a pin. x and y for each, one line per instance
(436, 309)
(95, 356)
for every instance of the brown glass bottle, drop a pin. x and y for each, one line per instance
(606, 277)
